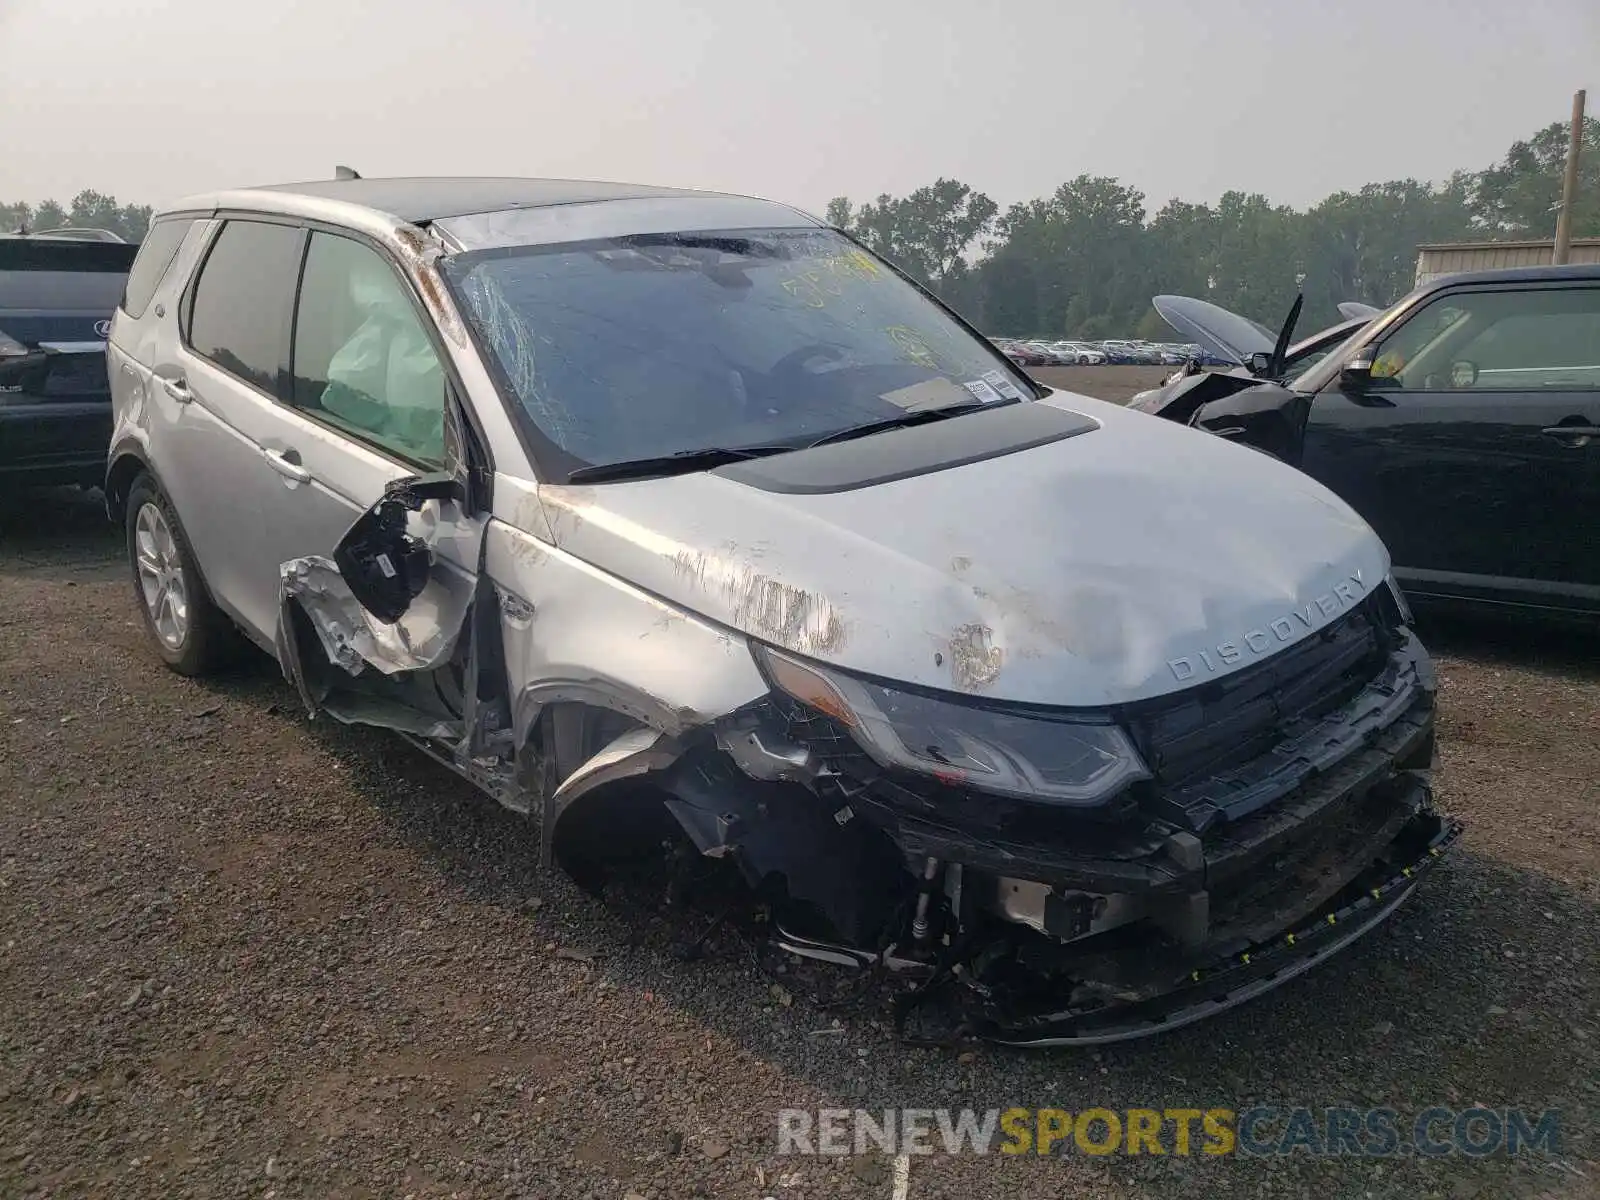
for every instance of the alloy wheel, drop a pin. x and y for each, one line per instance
(161, 577)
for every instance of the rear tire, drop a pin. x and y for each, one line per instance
(189, 632)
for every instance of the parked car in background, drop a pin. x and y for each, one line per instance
(1059, 355)
(57, 294)
(1021, 353)
(1124, 350)
(1463, 423)
(669, 518)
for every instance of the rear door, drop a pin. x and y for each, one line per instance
(1475, 452)
(216, 389)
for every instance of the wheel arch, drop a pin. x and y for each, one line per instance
(125, 463)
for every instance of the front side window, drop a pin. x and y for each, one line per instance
(238, 311)
(665, 344)
(362, 358)
(1543, 339)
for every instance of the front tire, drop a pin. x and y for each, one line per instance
(189, 632)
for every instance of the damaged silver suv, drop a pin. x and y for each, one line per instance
(680, 522)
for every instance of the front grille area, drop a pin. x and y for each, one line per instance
(1214, 750)
(1226, 757)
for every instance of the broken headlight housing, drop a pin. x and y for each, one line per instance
(1400, 600)
(1080, 760)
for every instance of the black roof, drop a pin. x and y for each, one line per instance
(420, 199)
(1546, 274)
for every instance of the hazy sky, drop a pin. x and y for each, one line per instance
(797, 101)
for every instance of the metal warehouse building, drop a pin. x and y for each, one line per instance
(1446, 258)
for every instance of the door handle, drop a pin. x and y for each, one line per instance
(287, 464)
(1576, 436)
(177, 388)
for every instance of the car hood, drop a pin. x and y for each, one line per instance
(1135, 560)
(1230, 336)
(1225, 334)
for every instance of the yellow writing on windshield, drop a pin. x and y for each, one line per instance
(827, 275)
(912, 346)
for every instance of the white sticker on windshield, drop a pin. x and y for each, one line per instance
(1001, 384)
(931, 393)
(981, 390)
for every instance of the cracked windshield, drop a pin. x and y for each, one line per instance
(660, 344)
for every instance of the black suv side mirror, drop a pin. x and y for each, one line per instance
(1260, 363)
(1356, 374)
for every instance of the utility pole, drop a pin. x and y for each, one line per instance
(1569, 186)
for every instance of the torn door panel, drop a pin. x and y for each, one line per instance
(387, 600)
(422, 638)
(325, 641)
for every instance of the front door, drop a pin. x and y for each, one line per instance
(1475, 450)
(366, 405)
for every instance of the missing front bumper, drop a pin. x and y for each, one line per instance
(1222, 984)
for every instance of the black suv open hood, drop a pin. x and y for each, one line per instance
(1235, 338)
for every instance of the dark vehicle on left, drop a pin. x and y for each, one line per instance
(57, 293)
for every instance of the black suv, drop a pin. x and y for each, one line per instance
(1463, 424)
(57, 293)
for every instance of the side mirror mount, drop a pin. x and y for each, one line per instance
(381, 561)
(1356, 374)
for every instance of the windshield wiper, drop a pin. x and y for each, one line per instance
(902, 421)
(684, 462)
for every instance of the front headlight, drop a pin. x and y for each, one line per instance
(1050, 759)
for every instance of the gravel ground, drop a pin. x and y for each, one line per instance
(1108, 383)
(248, 954)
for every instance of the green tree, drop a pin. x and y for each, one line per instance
(88, 208)
(1070, 262)
(926, 234)
(15, 216)
(1517, 197)
(1363, 245)
(49, 215)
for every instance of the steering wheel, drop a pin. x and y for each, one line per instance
(791, 362)
(1463, 373)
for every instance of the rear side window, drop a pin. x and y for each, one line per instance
(156, 252)
(238, 313)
